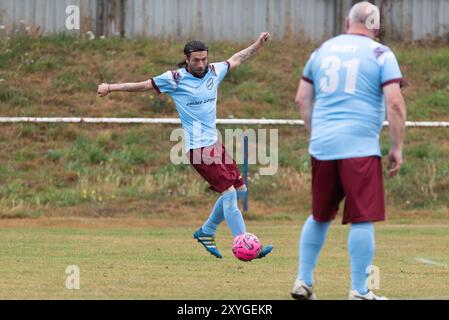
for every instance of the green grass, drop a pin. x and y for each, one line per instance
(48, 167)
(150, 262)
(71, 82)
(64, 70)
(45, 168)
(12, 96)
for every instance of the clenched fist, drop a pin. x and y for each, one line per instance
(103, 90)
(264, 37)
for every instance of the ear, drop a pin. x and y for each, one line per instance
(347, 24)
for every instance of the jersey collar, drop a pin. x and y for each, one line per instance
(358, 34)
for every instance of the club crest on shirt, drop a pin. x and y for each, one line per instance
(380, 51)
(210, 83)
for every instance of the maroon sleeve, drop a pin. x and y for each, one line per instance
(155, 86)
(307, 79)
(398, 80)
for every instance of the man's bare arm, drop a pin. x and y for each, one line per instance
(304, 102)
(396, 114)
(105, 88)
(241, 56)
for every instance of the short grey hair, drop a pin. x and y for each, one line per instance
(365, 13)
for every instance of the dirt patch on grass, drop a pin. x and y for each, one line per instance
(90, 223)
(191, 218)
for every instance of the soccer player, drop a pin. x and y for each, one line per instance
(341, 98)
(193, 87)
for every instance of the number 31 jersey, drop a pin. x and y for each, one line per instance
(348, 73)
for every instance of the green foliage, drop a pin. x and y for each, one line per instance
(72, 82)
(13, 97)
(47, 166)
(55, 155)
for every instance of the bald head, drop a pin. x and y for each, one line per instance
(364, 17)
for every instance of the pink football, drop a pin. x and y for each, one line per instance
(246, 247)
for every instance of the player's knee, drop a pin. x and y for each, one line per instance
(241, 192)
(230, 189)
(242, 188)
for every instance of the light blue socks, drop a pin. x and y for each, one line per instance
(360, 246)
(241, 193)
(311, 241)
(215, 217)
(232, 214)
(217, 214)
(361, 252)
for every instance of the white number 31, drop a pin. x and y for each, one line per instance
(332, 66)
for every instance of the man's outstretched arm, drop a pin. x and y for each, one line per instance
(104, 89)
(240, 57)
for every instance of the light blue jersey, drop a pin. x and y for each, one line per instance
(195, 100)
(348, 73)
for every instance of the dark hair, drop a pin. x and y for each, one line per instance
(192, 46)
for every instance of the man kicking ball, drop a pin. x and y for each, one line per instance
(193, 87)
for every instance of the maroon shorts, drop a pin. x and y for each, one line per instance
(216, 166)
(359, 180)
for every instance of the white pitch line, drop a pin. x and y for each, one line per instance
(435, 298)
(428, 261)
(424, 298)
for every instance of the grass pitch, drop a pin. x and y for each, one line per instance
(144, 259)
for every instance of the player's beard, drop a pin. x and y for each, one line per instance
(199, 73)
